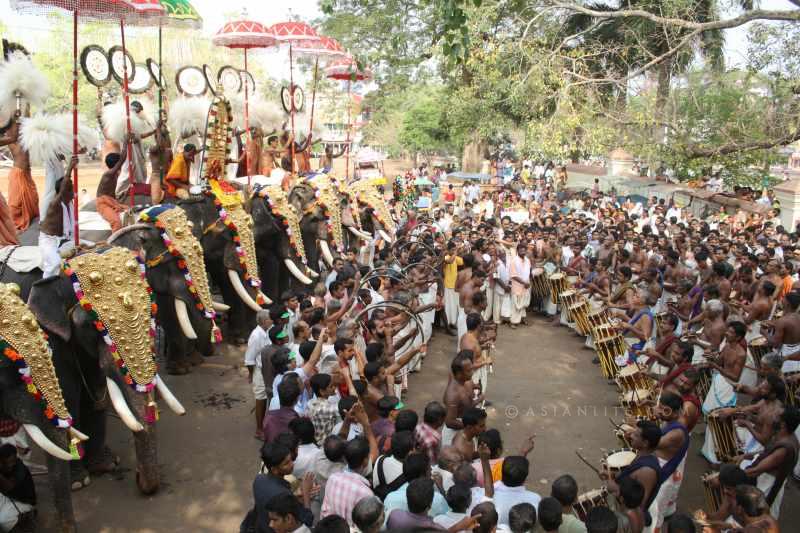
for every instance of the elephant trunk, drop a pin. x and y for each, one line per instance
(241, 292)
(146, 444)
(184, 321)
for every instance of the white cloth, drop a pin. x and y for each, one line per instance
(451, 306)
(667, 498)
(53, 171)
(259, 389)
(306, 455)
(507, 497)
(392, 469)
(255, 343)
(790, 366)
(720, 394)
(50, 247)
(10, 511)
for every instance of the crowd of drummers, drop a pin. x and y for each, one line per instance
(695, 320)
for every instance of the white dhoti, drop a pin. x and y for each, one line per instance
(790, 366)
(665, 503)
(502, 307)
(481, 375)
(461, 327)
(447, 435)
(720, 394)
(549, 307)
(487, 313)
(451, 306)
(519, 306)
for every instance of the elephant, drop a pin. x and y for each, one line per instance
(223, 265)
(91, 374)
(19, 405)
(187, 330)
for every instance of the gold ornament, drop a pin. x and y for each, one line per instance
(124, 308)
(368, 194)
(244, 226)
(329, 198)
(279, 201)
(176, 226)
(31, 345)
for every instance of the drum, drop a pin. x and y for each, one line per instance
(758, 348)
(633, 377)
(792, 390)
(568, 298)
(703, 383)
(572, 280)
(622, 435)
(608, 347)
(712, 491)
(597, 318)
(578, 313)
(634, 403)
(539, 288)
(726, 441)
(558, 284)
(588, 501)
(619, 459)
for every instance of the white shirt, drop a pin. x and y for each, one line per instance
(392, 469)
(673, 212)
(302, 401)
(255, 343)
(355, 430)
(502, 275)
(306, 455)
(449, 518)
(507, 497)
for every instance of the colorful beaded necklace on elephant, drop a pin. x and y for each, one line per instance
(111, 286)
(327, 193)
(25, 344)
(279, 204)
(240, 223)
(173, 226)
(367, 194)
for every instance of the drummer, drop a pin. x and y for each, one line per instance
(784, 334)
(641, 326)
(730, 476)
(671, 453)
(661, 359)
(645, 467)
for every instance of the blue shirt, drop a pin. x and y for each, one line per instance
(397, 500)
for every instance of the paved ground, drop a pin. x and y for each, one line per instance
(543, 383)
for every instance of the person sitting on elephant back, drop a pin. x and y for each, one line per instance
(17, 492)
(107, 205)
(177, 178)
(57, 226)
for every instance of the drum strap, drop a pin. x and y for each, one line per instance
(672, 465)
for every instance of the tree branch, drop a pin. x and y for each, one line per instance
(732, 148)
(744, 18)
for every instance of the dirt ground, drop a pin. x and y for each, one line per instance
(543, 383)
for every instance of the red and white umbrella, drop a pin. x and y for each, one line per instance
(138, 12)
(294, 33)
(245, 34)
(346, 69)
(324, 48)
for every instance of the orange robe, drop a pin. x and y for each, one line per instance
(8, 233)
(23, 200)
(178, 173)
(109, 208)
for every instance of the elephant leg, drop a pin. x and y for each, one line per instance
(59, 475)
(97, 458)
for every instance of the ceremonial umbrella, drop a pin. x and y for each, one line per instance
(245, 34)
(293, 32)
(181, 14)
(347, 69)
(326, 48)
(133, 11)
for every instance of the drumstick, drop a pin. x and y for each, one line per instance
(587, 463)
(616, 426)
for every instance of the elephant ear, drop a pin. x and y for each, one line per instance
(48, 301)
(133, 237)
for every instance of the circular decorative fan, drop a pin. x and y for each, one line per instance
(208, 74)
(115, 57)
(191, 81)
(95, 65)
(230, 80)
(142, 80)
(155, 73)
(286, 99)
(299, 99)
(251, 81)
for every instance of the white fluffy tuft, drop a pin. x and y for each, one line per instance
(187, 116)
(114, 120)
(18, 74)
(45, 136)
(263, 114)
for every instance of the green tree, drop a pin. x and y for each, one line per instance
(424, 131)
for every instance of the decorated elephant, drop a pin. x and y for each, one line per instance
(100, 318)
(31, 398)
(226, 233)
(176, 272)
(373, 211)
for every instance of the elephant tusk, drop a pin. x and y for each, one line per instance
(220, 307)
(359, 234)
(267, 299)
(78, 434)
(302, 278)
(121, 407)
(384, 236)
(170, 398)
(241, 291)
(183, 319)
(326, 252)
(38, 436)
(312, 273)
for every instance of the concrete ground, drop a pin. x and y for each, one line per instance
(543, 383)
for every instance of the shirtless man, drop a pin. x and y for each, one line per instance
(160, 158)
(458, 396)
(474, 422)
(762, 413)
(380, 379)
(720, 279)
(23, 199)
(671, 452)
(751, 511)
(472, 299)
(784, 334)
(713, 329)
(268, 160)
(107, 204)
(761, 307)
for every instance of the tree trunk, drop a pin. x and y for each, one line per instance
(662, 95)
(472, 156)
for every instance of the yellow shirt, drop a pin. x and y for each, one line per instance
(451, 272)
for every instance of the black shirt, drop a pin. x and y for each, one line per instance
(23, 491)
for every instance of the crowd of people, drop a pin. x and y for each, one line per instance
(330, 369)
